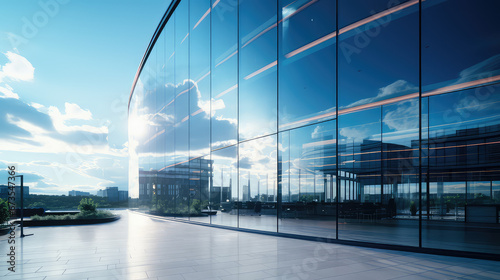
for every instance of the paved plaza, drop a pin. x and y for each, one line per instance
(141, 247)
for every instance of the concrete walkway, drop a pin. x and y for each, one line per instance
(140, 247)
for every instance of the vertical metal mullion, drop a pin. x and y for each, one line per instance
(337, 118)
(420, 124)
(280, 183)
(238, 102)
(210, 122)
(189, 109)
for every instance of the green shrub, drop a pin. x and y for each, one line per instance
(413, 208)
(101, 214)
(4, 211)
(87, 205)
(82, 215)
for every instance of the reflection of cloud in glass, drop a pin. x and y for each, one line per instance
(403, 117)
(399, 87)
(160, 123)
(483, 69)
(354, 133)
(259, 156)
(469, 104)
(245, 163)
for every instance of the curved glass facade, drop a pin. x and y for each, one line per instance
(364, 120)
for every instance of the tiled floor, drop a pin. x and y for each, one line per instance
(139, 247)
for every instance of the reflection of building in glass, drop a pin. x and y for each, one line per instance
(113, 194)
(178, 188)
(353, 124)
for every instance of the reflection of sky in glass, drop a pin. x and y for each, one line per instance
(306, 75)
(447, 27)
(467, 109)
(224, 79)
(199, 67)
(384, 57)
(258, 75)
(356, 10)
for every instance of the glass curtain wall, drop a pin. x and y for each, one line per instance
(363, 120)
(462, 95)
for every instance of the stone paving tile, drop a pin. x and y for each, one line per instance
(140, 247)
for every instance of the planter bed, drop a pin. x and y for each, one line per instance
(30, 223)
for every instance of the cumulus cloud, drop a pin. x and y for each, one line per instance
(17, 69)
(73, 111)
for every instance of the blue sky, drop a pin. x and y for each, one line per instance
(66, 69)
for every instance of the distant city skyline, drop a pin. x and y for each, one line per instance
(66, 68)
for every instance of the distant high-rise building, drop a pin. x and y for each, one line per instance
(4, 192)
(112, 194)
(122, 195)
(78, 193)
(102, 193)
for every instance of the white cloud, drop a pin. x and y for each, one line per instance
(36, 105)
(73, 111)
(7, 92)
(18, 68)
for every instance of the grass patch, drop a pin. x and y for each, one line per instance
(100, 214)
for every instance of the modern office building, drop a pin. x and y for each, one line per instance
(370, 122)
(78, 193)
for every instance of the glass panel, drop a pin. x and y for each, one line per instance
(382, 53)
(199, 180)
(181, 108)
(400, 145)
(224, 74)
(224, 187)
(307, 167)
(145, 147)
(199, 110)
(160, 124)
(199, 83)
(166, 175)
(306, 62)
(353, 11)
(258, 71)
(257, 184)
(463, 214)
(363, 198)
(448, 62)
